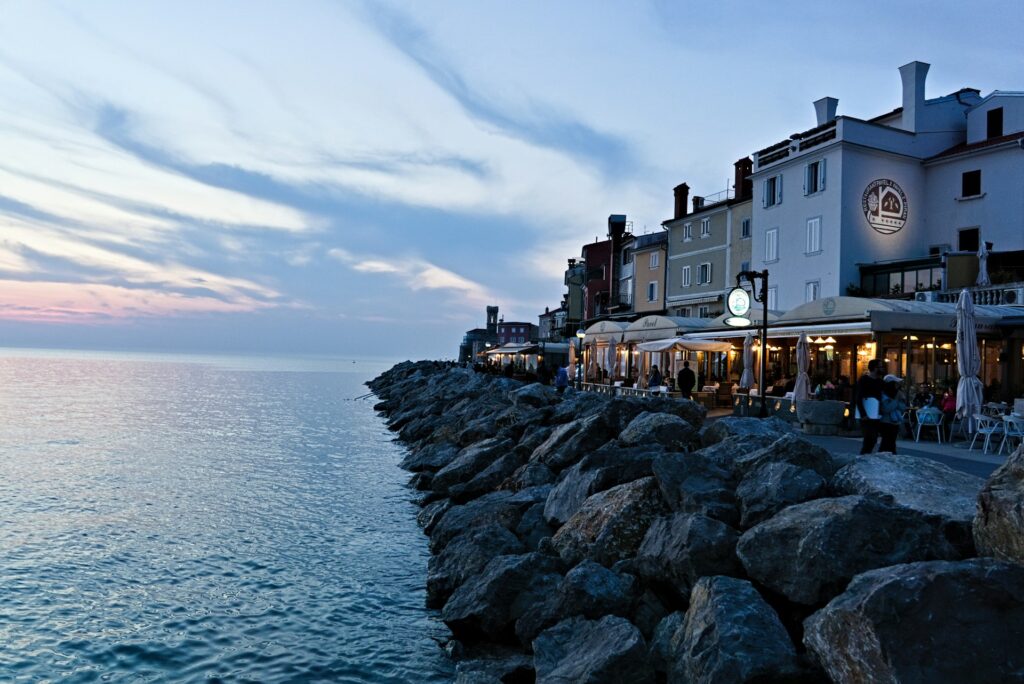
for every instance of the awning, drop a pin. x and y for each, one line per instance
(604, 332)
(823, 330)
(651, 328)
(683, 344)
(511, 348)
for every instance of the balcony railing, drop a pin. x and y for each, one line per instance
(1004, 294)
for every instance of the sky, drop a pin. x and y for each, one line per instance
(363, 178)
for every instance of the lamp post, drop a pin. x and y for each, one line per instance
(580, 334)
(739, 306)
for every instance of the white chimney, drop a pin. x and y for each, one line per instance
(913, 76)
(825, 109)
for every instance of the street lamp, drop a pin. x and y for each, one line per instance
(580, 334)
(738, 303)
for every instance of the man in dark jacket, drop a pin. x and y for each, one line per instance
(866, 400)
(686, 380)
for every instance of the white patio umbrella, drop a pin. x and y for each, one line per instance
(968, 361)
(983, 279)
(609, 358)
(802, 389)
(747, 379)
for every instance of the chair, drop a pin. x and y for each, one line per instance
(1013, 429)
(929, 418)
(988, 427)
(724, 396)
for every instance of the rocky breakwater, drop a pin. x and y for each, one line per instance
(592, 539)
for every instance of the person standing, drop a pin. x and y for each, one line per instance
(561, 379)
(867, 400)
(686, 380)
(655, 379)
(890, 413)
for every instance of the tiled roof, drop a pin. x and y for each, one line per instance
(964, 147)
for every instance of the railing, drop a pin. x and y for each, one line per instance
(1005, 294)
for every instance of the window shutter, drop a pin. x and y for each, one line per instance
(807, 178)
(821, 175)
(764, 193)
(710, 277)
(778, 189)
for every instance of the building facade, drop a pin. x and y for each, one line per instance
(649, 255)
(871, 207)
(516, 332)
(479, 340)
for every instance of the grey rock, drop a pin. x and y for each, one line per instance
(502, 507)
(920, 484)
(504, 668)
(650, 609)
(528, 475)
(731, 635)
(430, 458)
(464, 556)
(590, 590)
(570, 442)
(532, 527)
(788, 449)
(611, 524)
(810, 551)
(487, 604)
(650, 429)
(683, 547)
(999, 523)
(581, 651)
(488, 479)
(694, 484)
(660, 652)
(925, 622)
(421, 481)
(767, 490)
(432, 513)
(470, 461)
(532, 396)
(731, 426)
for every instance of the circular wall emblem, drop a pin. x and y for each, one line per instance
(828, 307)
(885, 206)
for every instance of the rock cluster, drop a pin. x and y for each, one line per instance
(584, 538)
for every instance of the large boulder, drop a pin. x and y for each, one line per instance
(665, 429)
(488, 603)
(568, 443)
(659, 651)
(767, 490)
(599, 470)
(681, 548)
(590, 590)
(502, 507)
(529, 474)
(731, 635)
(430, 458)
(611, 524)
(581, 651)
(789, 449)
(503, 667)
(464, 556)
(810, 551)
(470, 461)
(731, 426)
(999, 522)
(694, 484)
(920, 484)
(488, 479)
(532, 527)
(925, 622)
(532, 396)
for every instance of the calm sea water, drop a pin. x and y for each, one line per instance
(181, 518)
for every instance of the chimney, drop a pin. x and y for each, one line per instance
(616, 227)
(742, 186)
(682, 195)
(698, 203)
(825, 109)
(913, 76)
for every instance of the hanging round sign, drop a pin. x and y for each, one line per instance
(885, 206)
(738, 302)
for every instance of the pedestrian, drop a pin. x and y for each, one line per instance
(561, 379)
(543, 374)
(890, 412)
(686, 380)
(867, 400)
(655, 379)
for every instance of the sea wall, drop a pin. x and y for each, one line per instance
(584, 538)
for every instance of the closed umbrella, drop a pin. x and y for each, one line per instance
(609, 358)
(968, 361)
(747, 379)
(983, 279)
(802, 389)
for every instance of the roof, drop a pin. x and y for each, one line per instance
(860, 308)
(965, 147)
(662, 327)
(649, 240)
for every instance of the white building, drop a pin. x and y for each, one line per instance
(870, 207)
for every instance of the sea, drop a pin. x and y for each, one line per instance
(173, 518)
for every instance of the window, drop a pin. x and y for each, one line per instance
(687, 231)
(705, 227)
(654, 260)
(704, 274)
(995, 122)
(685, 312)
(627, 291)
(703, 312)
(811, 290)
(771, 245)
(772, 191)
(773, 297)
(968, 240)
(971, 183)
(686, 276)
(652, 291)
(745, 228)
(744, 265)
(814, 177)
(813, 236)
(627, 256)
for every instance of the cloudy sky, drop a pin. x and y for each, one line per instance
(364, 177)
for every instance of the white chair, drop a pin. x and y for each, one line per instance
(929, 418)
(1013, 430)
(988, 427)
